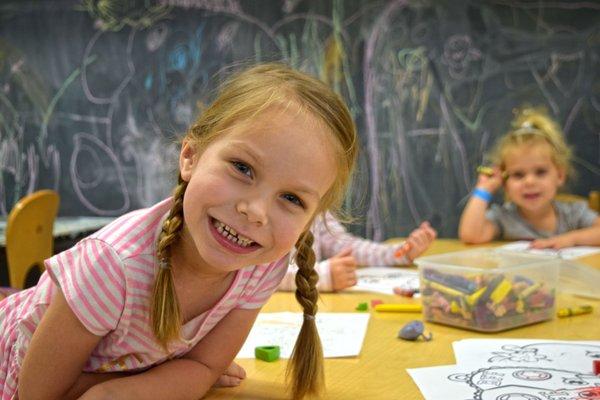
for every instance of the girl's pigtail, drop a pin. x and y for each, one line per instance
(166, 314)
(306, 362)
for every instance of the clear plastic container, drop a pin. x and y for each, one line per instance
(579, 279)
(488, 290)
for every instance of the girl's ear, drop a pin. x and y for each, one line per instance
(562, 176)
(187, 160)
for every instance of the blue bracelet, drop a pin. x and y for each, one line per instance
(482, 194)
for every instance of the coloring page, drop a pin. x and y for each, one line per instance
(385, 279)
(458, 382)
(570, 355)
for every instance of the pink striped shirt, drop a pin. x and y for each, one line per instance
(107, 281)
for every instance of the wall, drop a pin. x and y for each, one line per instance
(94, 94)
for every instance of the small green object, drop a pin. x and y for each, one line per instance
(362, 307)
(267, 353)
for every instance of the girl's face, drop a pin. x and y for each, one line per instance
(254, 190)
(532, 177)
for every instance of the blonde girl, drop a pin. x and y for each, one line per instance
(157, 304)
(532, 162)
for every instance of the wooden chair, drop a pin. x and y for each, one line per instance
(593, 199)
(29, 238)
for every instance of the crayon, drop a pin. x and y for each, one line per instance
(401, 308)
(572, 311)
(485, 170)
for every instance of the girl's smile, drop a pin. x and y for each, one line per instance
(229, 238)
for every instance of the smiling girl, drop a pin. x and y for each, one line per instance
(532, 162)
(157, 304)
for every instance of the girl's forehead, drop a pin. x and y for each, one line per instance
(531, 149)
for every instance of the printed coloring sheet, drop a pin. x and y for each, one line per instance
(568, 253)
(514, 369)
(531, 353)
(456, 382)
(385, 279)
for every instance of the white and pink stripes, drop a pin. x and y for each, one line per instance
(107, 281)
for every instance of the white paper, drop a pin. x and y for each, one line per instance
(567, 253)
(385, 279)
(342, 334)
(461, 382)
(561, 354)
(434, 384)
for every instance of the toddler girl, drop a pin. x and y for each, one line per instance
(532, 163)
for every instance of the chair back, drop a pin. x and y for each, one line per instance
(593, 199)
(29, 238)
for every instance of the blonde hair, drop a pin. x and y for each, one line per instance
(241, 98)
(534, 126)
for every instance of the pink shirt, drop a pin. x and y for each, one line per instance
(330, 238)
(107, 281)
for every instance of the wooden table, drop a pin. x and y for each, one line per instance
(380, 370)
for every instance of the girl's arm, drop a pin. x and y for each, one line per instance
(189, 377)
(334, 239)
(474, 227)
(59, 349)
(288, 283)
(580, 237)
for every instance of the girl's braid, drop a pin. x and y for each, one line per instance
(306, 362)
(166, 314)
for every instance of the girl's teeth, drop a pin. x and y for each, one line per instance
(230, 234)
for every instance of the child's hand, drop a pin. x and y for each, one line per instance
(233, 376)
(419, 240)
(490, 183)
(343, 270)
(555, 242)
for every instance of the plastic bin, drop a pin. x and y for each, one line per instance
(488, 290)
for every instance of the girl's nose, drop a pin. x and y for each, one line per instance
(530, 178)
(255, 210)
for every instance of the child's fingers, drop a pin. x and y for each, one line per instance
(419, 238)
(235, 370)
(227, 381)
(344, 252)
(541, 244)
(403, 250)
(348, 262)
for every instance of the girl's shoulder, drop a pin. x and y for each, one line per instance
(135, 233)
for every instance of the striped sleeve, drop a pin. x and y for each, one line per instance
(92, 279)
(332, 238)
(262, 284)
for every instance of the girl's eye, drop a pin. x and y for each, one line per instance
(541, 172)
(293, 199)
(516, 175)
(243, 168)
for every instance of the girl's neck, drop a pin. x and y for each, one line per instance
(543, 218)
(186, 260)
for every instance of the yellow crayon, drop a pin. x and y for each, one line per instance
(485, 170)
(571, 311)
(408, 308)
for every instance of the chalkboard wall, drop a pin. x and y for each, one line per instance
(93, 94)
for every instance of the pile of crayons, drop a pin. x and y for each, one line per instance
(485, 302)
